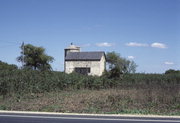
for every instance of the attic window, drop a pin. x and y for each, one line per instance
(83, 70)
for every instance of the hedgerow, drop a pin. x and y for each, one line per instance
(19, 82)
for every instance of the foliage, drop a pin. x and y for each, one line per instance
(26, 81)
(5, 66)
(35, 58)
(21, 82)
(129, 93)
(119, 65)
(171, 71)
(134, 100)
(132, 93)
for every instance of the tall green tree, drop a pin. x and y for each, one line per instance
(118, 65)
(34, 58)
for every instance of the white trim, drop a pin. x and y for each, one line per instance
(85, 118)
(75, 114)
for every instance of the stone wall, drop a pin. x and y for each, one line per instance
(97, 67)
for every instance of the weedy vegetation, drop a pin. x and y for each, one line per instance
(32, 90)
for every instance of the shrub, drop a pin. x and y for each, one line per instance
(30, 81)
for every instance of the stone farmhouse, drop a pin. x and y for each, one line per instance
(87, 63)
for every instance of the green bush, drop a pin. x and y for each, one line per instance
(30, 81)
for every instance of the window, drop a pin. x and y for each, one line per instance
(83, 70)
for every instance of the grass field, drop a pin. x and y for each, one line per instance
(113, 101)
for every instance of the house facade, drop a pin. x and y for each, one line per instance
(88, 63)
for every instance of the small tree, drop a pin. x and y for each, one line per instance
(5, 66)
(35, 58)
(118, 65)
(171, 71)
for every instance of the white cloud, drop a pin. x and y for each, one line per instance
(168, 63)
(158, 45)
(135, 44)
(104, 44)
(131, 57)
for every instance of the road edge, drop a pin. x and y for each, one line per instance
(84, 114)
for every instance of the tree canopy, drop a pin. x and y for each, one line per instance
(118, 65)
(34, 58)
(171, 71)
(5, 66)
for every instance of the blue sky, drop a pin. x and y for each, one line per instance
(146, 31)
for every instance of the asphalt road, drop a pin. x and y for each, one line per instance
(48, 118)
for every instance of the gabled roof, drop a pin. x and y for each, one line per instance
(84, 56)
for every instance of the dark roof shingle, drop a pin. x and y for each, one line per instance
(84, 56)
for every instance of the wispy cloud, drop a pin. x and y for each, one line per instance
(131, 57)
(104, 44)
(135, 44)
(158, 45)
(168, 63)
(154, 45)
